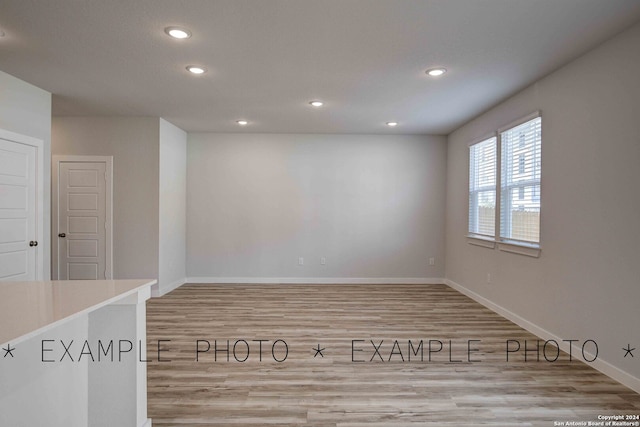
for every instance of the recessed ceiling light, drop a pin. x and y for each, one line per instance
(242, 122)
(177, 32)
(392, 124)
(195, 69)
(435, 72)
(316, 103)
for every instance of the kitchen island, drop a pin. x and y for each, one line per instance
(73, 353)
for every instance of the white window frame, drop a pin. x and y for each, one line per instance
(504, 243)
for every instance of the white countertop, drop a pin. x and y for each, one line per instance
(29, 308)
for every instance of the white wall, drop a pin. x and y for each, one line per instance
(173, 207)
(133, 143)
(26, 109)
(586, 284)
(372, 205)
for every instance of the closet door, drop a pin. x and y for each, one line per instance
(21, 214)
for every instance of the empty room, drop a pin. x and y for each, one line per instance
(329, 213)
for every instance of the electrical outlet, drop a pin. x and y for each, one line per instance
(300, 261)
(432, 261)
(323, 261)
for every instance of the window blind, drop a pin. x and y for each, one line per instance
(482, 188)
(520, 182)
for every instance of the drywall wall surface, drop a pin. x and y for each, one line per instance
(133, 143)
(369, 206)
(586, 282)
(172, 206)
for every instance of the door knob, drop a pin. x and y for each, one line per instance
(62, 235)
(33, 243)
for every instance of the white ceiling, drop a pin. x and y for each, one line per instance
(268, 58)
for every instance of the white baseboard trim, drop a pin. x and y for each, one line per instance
(599, 364)
(163, 290)
(320, 280)
(146, 423)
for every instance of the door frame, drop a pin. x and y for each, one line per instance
(55, 197)
(39, 237)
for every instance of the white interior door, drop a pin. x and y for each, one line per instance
(21, 216)
(83, 209)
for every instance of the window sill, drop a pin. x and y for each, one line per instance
(485, 242)
(520, 248)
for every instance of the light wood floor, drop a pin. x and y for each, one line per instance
(334, 391)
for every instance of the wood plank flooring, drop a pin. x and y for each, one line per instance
(395, 388)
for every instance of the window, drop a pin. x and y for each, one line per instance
(520, 176)
(482, 188)
(518, 192)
